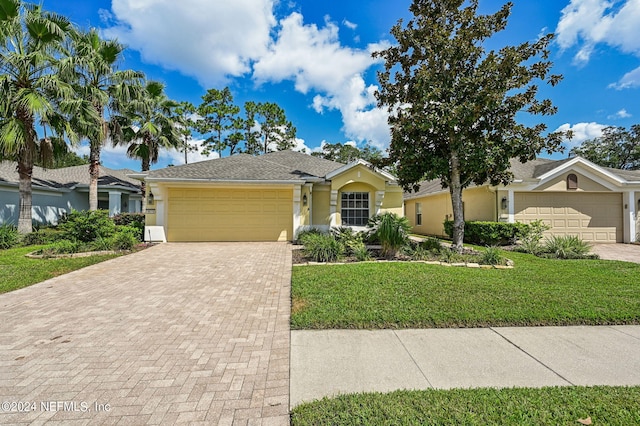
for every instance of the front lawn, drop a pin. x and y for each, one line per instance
(17, 271)
(415, 295)
(546, 406)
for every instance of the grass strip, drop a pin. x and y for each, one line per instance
(18, 271)
(515, 406)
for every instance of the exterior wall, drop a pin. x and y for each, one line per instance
(393, 200)
(305, 211)
(559, 184)
(479, 204)
(47, 207)
(359, 174)
(321, 201)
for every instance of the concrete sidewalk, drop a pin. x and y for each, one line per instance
(330, 362)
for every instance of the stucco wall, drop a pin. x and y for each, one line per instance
(320, 208)
(47, 208)
(479, 204)
(559, 184)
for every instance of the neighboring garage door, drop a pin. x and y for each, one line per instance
(593, 217)
(227, 214)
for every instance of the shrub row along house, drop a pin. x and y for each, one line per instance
(274, 196)
(58, 191)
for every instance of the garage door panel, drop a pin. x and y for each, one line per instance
(593, 217)
(229, 214)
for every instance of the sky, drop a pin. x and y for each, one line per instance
(313, 58)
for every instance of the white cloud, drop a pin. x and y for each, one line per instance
(628, 81)
(620, 114)
(349, 24)
(316, 61)
(300, 146)
(209, 40)
(175, 157)
(581, 132)
(586, 23)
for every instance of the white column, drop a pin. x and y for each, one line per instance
(333, 208)
(115, 203)
(629, 201)
(512, 207)
(296, 211)
(379, 200)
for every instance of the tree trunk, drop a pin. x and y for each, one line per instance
(186, 150)
(146, 165)
(455, 189)
(25, 172)
(94, 175)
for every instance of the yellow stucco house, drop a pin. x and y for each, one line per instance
(573, 196)
(271, 197)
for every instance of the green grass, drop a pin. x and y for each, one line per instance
(546, 406)
(415, 295)
(17, 271)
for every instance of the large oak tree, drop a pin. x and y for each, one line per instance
(454, 105)
(618, 148)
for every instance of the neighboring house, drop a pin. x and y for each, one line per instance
(573, 196)
(271, 197)
(58, 191)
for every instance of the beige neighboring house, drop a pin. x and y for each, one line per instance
(573, 196)
(58, 191)
(271, 197)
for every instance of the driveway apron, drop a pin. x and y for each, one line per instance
(178, 333)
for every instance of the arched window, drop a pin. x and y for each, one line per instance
(572, 181)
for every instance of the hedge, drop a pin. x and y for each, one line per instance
(489, 233)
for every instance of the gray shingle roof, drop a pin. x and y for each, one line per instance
(524, 171)
(69, 177)
(276, 166)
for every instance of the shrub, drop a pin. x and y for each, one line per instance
(418, 252)
(42, 236)
(391, 230)
(306, 233)
(323, 247)
(531, 237)
(567, 247)
(101, 244)
(491, 256)
(134, 220)
(431, 244)
(87, 226)
(449, 255)
(9, 236)
(124, 239)
(359, 250)
(488, 233)
(63, 247)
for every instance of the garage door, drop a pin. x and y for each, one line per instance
(593, 217)
(228, 214)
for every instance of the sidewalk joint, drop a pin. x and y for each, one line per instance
(532, 357)
(413, 359)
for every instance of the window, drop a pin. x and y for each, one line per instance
(572, 181)
(418, 214)
(355, 208)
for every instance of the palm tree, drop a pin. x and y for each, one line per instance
(151, 125)
(91, 67)
(31, 91)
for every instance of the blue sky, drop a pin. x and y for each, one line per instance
(313, 58)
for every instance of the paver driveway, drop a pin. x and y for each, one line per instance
(193, 333)
(625, 252)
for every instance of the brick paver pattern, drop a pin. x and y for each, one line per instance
(178, 333)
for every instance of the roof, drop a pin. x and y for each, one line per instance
(528, 171)
(69, 177)
(281, 166)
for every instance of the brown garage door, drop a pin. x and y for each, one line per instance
(595, 217)
(230, 214)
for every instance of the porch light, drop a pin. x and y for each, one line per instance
(151, 198)
(304, 200)
(505, 203)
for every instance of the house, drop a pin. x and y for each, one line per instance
(270, 197)
(573, 196)
(58, 191)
